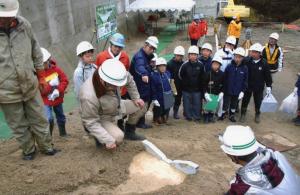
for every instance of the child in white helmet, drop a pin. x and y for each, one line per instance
(226, 53)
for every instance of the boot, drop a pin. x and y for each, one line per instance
(30, 156)
(62, 130)
(211, 118)
(141, 124)
(175, 112)
(51, 126)
(130, 133)
(232, 117)
(243, 116)
(121, 124)
(221, 118)
(257, 118)
(206, 118)
(157, 121)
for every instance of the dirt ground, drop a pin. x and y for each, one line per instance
(81, 168)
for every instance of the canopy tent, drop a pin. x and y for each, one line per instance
(161, 5)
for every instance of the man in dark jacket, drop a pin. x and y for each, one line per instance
(236, 82)
(191, 75)
(259, 76)
(141, 71)
(173, 67)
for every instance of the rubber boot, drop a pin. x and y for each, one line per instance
(141, 124)
(211, 118)
(130, 133)
(221, 118)
(62, 130)
(232, 117)
(206, 118)
(243, 116)
(51, 126)
(121, 124)
(175, 112)
(257, 118)
(157, 121)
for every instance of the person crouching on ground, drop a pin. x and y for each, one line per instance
(160, 83)
(236, 83)
(213, 84)
(205, 56)
(101, 104)
(263, 170)
(53, 93)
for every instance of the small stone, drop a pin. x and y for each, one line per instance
(101, 170)
(29, 181)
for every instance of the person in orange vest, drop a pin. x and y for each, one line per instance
(194, 30)
(235, 28)
(202, 29)
(273, 54)
(115, 51)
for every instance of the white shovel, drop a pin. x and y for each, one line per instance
(187, 167)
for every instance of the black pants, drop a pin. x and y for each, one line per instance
(178, 98)
(237, 43)
(258, 97)
(230, 102)
(159, 111)
(194, 42)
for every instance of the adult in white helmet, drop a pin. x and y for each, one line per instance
(205, 56)
(226, 53)
(235, 84)
(214, 86)
(141, 70)
(263, 171)
(101, 104)
(273, 53)
(191, 75)
(20, 98)
(173, 67)
(259, 77)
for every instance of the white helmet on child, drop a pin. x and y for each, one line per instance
(84, 46)
(193, 50)
(218, 59)
(161, 61)
(179, 50)
(153, 41)
(207, 46)
(46, 54)
(239, 141)
(239, 51)
(256, 47)
(274, 36)
(231, 40)
(113, 72)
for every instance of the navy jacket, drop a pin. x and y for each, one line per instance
(236, 79)
(192, 76)
(173, 67)
(214, 82)
(298, 84)
(259, 74)
(206, 63)
(140, 66)
(160, 82)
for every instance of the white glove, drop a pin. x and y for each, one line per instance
(241, 95)
(221, 95)
(156, 103)
(207, 97)
(268, 90)
(295, 91)
(54, 82)
(54, 95)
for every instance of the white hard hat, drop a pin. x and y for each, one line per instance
(179, 50)
(153, 41)
(207, 46)
(46, 54)
(274, 36)
(9, 8)
(154, 57)
(239, 141)
(239, 51)
(113, 72)
(161, 61)
(196, 17)
(83, 47)
(217, 58)
(256, 47)
(201, 16)
(193, 49)
(231, 40)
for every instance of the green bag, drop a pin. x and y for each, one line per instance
(212, 105)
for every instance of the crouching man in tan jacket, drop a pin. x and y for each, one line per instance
(101, 104)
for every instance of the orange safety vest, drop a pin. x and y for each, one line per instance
(271, 59)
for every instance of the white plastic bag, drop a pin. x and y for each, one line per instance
(290, 104)
(269, 104)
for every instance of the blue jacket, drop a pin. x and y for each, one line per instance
(206, 63)
(140, 66)
(298, 85)
(160, 82)
(236, 79)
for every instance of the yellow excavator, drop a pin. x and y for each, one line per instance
(227, 9)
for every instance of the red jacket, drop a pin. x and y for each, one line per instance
(50, 73)
(124, 58)
(194, 31)
(203, 28)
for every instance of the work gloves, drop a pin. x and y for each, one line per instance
(241, 95)
(221, 95)
(207, 97)
(54, 82)
(268, 90)
(156, 103)
(53, 95)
